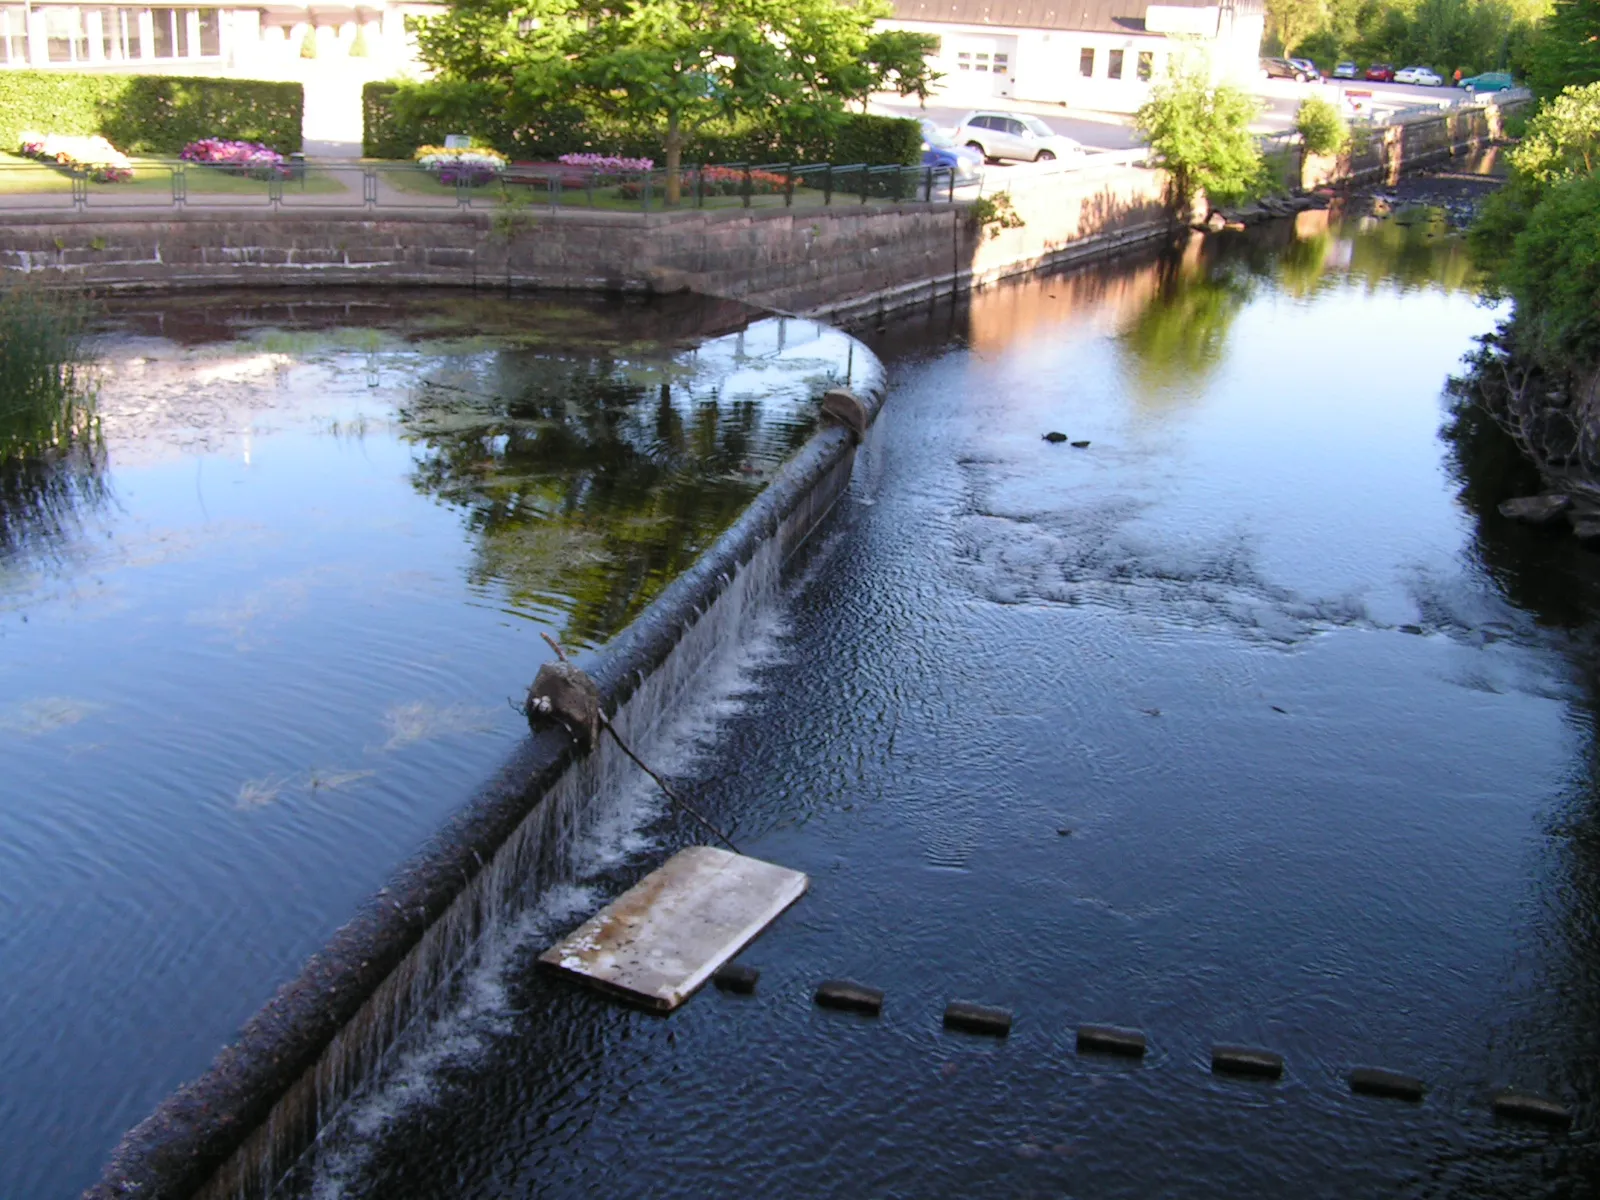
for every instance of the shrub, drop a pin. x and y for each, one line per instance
(1322, 127)
(1553, 271)
(399, 117)
(877, 141)
(719, 181)
(606, 164)
(144, 114)
(1202, 134)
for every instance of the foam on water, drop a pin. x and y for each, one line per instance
(616, 829)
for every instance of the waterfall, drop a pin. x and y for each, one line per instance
(699, 623)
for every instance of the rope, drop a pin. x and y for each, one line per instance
(682, 805)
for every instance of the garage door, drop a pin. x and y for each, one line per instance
(980, 66)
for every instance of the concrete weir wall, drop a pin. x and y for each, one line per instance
(233, 1133)
(795, 259)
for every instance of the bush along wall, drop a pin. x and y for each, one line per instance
(397, 118)
(150, 114)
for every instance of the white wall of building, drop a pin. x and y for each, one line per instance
(1106, 72)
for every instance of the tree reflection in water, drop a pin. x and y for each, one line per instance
(592, 482)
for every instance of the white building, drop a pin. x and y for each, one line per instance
(260, 41)
(1093, 54)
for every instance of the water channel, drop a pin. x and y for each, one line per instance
(1249, 722)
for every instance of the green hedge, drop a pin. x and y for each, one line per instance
(397, 118)
(150, 114)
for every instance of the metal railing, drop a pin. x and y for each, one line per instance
(175, 184)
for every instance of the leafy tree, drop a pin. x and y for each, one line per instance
(1322, 127)
(1553, 272)
(1567, 50)
(1202, 132)
(1290, 22)
(673, 66)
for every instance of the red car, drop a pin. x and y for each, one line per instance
(1380, 73)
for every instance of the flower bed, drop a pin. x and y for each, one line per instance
(716, 181)
(473, 168)
(607, 164)
(243, 158)
(95, 156)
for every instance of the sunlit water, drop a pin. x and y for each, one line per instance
(258, 645)
(1249, 722)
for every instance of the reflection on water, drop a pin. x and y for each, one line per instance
(256, 641)
(1249, 721)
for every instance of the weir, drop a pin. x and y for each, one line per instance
(328, 1034)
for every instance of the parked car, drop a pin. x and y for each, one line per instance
(1345, 70)
(943, 153)
(1309, 67)
(1489, 81)
(1380, 73)
(1283, 68)
(1421, 75)
(997, 135)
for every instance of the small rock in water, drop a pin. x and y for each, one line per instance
(1536, 510)
(1079, 445)
(852, 997)
(1054, 437)
(1064, 831)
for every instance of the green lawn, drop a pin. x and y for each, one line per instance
(414, 181)
(20, 176)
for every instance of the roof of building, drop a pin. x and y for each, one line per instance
(1093, 16)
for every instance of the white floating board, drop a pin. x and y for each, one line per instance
(664, 937)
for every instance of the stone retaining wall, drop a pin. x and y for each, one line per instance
(791, 259)
(1384, 154)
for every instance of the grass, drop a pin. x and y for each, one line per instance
(22, 176)
(414, 181)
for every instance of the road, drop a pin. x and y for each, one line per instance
(1280, 99)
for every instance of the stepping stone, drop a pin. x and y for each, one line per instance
(851, 997)
(1525, 1106)
(737, 978)
(976, 1018)
(1108, 1039)
(1242, 1060)
(1372, 1081)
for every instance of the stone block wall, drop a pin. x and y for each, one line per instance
(799, 259)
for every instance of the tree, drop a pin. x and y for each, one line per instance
(1322, 126)
(671, 66)
(1292, 21)
(1567, 50)
(1202, 133)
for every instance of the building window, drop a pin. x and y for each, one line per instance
(1147, 65)
(1002, 63)
(13, 35)
(1086, 63)
(63, 28)
(119, 34)
(211, 34)
(1114, 65)
(963, 61)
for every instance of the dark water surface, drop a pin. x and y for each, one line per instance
(257, 645)
(1250, 722)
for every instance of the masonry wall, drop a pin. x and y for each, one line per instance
(799, 259)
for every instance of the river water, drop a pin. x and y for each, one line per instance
(257, 643)
(1248, 722)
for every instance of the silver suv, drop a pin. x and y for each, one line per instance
(997, 135)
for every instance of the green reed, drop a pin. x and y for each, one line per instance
(46, 394)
